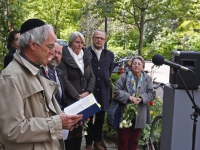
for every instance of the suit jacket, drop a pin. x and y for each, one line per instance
(30, 115)
(9, 57)
(60, 100)
(102, 69)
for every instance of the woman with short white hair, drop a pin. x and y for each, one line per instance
(79, 80)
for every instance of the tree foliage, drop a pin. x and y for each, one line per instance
(147, 16)
(185, 38)
(61, 14)
(136, 13)
(146, 26)
(11, 16)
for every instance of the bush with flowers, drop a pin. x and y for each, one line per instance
(129, 114)
(155, 110)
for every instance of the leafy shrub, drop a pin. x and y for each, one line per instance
(114, 77)
(155, 110)
(108, 132)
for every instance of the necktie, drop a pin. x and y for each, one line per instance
(59, 86)
(46, 71)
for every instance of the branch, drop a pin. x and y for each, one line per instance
(155, 18)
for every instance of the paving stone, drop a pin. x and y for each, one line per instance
(109, 144)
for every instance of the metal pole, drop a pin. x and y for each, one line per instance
(124, 42)
(105, 45)
(124, 32)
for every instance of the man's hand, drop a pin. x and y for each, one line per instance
(70, 121)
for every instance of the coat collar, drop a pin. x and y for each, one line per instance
(103, 50)
(26, 64)
(49, 87)
(68, 59)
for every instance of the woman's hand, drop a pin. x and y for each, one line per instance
(138, 100)
(84, 94)
(132, 99)
(135, 100)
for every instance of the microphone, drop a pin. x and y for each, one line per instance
(159, 60)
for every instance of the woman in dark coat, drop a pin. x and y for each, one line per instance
(79, 80)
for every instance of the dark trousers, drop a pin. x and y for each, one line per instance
(128, 138)
(94, 130)
(74, 139)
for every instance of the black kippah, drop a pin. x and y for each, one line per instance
(31, 24)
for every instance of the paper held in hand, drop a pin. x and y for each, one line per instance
(87, 106)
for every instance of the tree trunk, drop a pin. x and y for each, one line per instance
(141, 30)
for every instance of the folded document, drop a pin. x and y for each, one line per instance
(87, 106)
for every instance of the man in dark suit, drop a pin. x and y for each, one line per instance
(56, 75)
(12, 46)
(102, 66)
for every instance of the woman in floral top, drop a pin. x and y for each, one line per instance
(134, 87)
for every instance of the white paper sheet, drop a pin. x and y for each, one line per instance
(80, 105)
(65, 134)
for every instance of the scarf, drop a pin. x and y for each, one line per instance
(97, 52)
(78, 58)
(134, 84)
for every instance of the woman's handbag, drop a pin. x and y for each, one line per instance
(114, 114)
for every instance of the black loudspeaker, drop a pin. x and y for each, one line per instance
(189, 59)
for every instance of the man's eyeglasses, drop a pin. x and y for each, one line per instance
(99, 38)
(50, 46)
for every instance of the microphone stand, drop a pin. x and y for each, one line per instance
(196, 112)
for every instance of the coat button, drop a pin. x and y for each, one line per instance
(82, 89)
(98, 78)
(42, 100)
(98, 67)
(52, 131)
(97, 89)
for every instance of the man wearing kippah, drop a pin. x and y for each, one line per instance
(30, 117)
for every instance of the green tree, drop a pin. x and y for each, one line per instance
(141, 14)
(11, 14)
(61, 14)
(135, 13)
(185, 37)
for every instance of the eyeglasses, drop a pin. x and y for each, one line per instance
(99, 38)
(137, 64)
(50, 46)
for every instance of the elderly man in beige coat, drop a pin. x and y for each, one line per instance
(30, 117)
